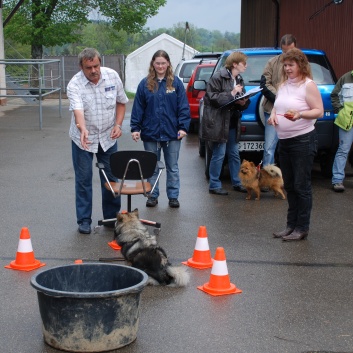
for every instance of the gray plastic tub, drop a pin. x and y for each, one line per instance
(91, 307)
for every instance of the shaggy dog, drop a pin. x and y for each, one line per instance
(253, 179)
(140, 248)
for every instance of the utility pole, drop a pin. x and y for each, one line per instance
(186, 29)
(2, 57)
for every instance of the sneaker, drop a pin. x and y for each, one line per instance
(339, 187)
(151, 202)
(174, 203)
(84, 228)
(239, 188)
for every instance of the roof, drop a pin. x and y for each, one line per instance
(161, 37)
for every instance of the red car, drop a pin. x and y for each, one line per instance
(201, 72)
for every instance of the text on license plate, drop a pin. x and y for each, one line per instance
(251, 145)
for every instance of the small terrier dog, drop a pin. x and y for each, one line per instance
(253, 179)
(140, 248)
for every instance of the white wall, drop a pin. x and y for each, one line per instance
(138, 62)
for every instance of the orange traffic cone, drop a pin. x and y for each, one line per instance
(202, 256)
(25, 260)
(219, 283)
(114, 245)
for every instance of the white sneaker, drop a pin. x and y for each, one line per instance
(339, 187)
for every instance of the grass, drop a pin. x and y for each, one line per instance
(130, 95)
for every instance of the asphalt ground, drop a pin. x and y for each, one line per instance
(296, 297)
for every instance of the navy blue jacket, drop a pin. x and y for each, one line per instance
(159, 115)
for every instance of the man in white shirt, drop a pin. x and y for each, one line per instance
(97, 101)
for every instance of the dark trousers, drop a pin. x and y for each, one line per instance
(296, 156)
(82, 162)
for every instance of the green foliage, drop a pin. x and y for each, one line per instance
(57, 22)
(68, 30)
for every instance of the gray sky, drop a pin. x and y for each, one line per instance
(208, 14)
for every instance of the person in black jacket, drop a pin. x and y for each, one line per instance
(221, 125)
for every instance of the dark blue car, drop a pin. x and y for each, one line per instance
(252, 133)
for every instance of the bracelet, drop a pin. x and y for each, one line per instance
(300, 115)
(119, 126)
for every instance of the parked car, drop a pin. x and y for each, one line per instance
(185, 68)
(208, 55)
(201, 72)
(252, 128)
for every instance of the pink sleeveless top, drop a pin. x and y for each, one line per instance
(291, 95)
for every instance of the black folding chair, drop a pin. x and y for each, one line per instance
(132, 168)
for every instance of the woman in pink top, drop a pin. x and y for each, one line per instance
(297, 106)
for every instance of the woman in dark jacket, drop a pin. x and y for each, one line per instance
(221, 125)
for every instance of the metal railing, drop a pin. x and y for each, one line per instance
(32, 79)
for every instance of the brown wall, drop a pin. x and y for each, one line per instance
(331, 30)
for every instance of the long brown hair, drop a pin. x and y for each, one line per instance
(302, 61)
(152, 75)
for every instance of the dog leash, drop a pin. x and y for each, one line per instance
(258, 168)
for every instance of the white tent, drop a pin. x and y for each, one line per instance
(138, 62)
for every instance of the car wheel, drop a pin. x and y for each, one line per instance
(201, 148)
(261, 111)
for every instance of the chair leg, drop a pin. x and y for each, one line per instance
(129, 203)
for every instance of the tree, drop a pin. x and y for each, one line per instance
(57, 22)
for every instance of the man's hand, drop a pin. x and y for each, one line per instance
(116, 132)
(84, 138)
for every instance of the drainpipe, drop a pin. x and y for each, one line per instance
(277, 23)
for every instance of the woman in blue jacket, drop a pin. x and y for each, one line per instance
(161, 117)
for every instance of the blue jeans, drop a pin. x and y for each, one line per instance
(82, 162)
(219, 151)
(271, 140)
(339, 164)
(171, 156)
(296, 156)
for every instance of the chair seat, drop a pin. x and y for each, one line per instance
(129, 187)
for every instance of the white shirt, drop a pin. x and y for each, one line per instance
(98, 102)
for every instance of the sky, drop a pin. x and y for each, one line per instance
(208, 14)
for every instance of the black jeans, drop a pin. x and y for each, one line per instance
(296, 156)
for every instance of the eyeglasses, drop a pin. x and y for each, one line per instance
(160, 64)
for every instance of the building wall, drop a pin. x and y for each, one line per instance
(330, 30)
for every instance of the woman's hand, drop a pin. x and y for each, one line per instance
(135, 136)
(272, 120)
(181, 134)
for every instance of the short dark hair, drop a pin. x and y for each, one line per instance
(88, 54)
(288, 39)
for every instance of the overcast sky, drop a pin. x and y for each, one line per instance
(208, 14)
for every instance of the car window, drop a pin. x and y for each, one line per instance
(322, 74)
(320, 70)
(187, 69)
(204, 73)
(255, 68)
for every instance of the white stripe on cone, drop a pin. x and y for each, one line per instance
(201, 244)
(25, 245)
(219, 268)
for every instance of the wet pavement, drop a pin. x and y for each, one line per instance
(296, 297)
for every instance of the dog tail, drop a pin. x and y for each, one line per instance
(273, 170)
(180, 276)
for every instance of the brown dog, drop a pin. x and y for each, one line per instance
(253, 179)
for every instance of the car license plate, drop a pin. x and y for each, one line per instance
(251, 145)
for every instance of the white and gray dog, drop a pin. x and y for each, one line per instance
(140, 248)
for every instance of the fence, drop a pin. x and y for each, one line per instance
(31, 80)
(70, 66)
